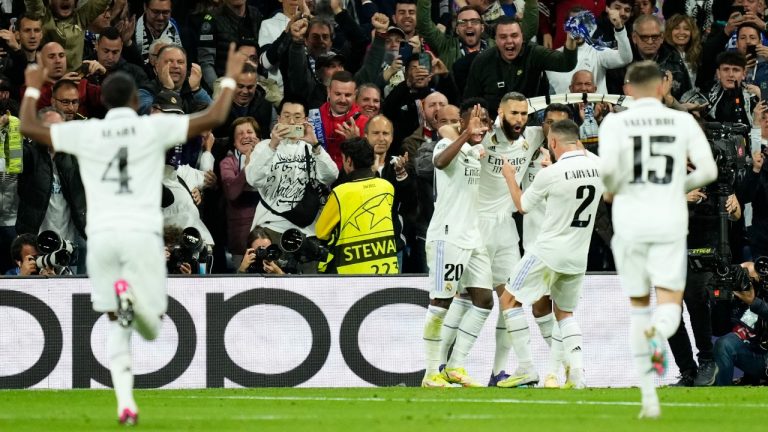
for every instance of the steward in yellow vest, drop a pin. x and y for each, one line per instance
(357, 219)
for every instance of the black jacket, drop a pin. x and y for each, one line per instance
(35, 183)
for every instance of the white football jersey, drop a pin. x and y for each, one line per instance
(644, 152)
(456, 187)
(532, 219)
(492, 200)
(570, 190)
(121, 160)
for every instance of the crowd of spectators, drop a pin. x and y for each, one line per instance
(324, 71)
(327, 76)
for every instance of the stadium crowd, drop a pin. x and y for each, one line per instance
(322, 72)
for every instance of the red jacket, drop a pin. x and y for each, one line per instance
(329, 138)
(90, 98)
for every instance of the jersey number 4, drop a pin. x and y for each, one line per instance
(117, 171)
(641, 172)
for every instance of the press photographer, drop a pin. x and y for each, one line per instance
(261, 256)
(746, 347)
(186, 251)
(712, 212)
(23, 252)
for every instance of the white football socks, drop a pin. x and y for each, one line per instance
(456, 312)
(640, 321)
(556, 353)
(119, 352)
(546, 323)
(666, 319)
(432, 327)
(572, 343)
(517, 327)
(503, 344)
(469, 329)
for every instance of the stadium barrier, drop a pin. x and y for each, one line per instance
(274, 332)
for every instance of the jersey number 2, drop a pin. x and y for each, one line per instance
(590, 196)
(642, 172)
(117, 171)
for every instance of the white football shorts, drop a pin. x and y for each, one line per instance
(643, 265)
(449, 265)
(532, 280)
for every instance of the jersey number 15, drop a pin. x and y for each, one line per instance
(641, 173)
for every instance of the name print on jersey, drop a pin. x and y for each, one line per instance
(119, 133)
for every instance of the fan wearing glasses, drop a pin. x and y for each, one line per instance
(647, 35)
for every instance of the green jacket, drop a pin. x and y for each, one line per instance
(68, 32)
(447, 45)
(492, 77)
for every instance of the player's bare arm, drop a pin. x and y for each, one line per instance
(216, 114)
(509, 172)
(475, 126)
(31, 126)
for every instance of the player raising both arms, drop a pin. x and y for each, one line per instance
(644, 152)
(454, 248)
(555, 264)
(121, 163)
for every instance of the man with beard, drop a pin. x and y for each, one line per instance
(567, 190)
(64, 24)
(109, 48)
(156, 23)
(455, 249)
(499, 235)
(470, 35)
(515, 65)
(339, 118)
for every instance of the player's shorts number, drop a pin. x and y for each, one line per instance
(641, 172)
(586, 193)
(453, 272)
(117, 170)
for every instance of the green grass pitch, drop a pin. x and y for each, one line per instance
(389, 409)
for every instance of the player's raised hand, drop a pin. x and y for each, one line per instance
(235, 61)
(507, 169)
(35, 74)
(476, 124)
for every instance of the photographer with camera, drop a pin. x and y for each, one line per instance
(261, 255)
(746, 347)
(24, 251)
(703, 233)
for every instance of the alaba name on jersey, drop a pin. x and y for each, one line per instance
(456, 189)
(491, 199)
(122, 159)
(570, 190)
(644, 152)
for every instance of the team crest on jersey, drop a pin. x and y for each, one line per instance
(448, 286)
(525, 144)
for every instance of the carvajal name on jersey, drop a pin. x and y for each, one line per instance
(581, 173)
(639, 122)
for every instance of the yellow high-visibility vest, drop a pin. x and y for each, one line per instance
(363, 240)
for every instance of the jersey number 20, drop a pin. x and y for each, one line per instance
(117, 171)
(641, 172)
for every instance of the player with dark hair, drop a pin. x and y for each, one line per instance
(121, 163)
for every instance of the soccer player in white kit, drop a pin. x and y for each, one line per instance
(644, 152)
(499, 235)
(555, 264)
(121, 163)
(454, 248)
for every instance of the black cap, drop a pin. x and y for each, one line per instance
(396, 29)
(168, 101)
(326, 59)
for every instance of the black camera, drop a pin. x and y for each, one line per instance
(728, 142)
(302, 248)
(269, 253)
(191, 250)
(54, 252)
